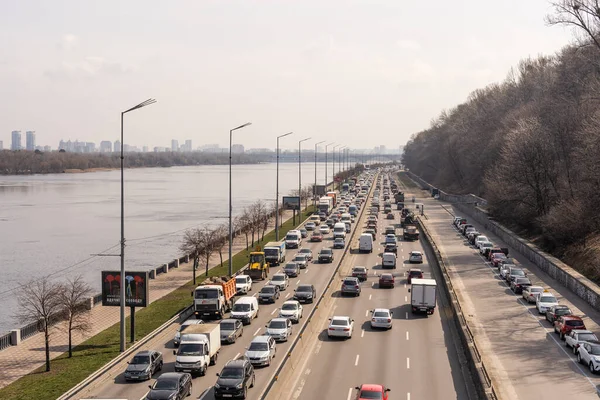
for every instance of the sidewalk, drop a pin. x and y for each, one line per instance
(17, 361)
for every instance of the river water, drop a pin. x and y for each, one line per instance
(52, 224)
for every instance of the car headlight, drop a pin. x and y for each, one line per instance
(217, 386)
(198, 364)
(239, 386)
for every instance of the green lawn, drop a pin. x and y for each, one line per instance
(409, 183)
(101, 348)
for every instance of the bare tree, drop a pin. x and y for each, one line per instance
(583, 15)
(192, 245)
(39, 302)
(245, 226)
(221, 239)
(207, 239)
(73, 296)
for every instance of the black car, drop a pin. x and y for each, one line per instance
(554, 312)
(291, 269)
(268, 294)
(391, 248)
(171, 386)
(305, 293)
(143, 365)
(326, 256)
(235, 379)
(518, 284)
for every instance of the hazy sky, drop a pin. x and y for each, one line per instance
(359, 73)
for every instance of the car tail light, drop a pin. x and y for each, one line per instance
(389, 320)
(356, 287)
(332, 329)
(346, 329)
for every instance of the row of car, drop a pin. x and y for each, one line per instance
(569, 327)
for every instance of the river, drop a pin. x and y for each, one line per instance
(52, 224)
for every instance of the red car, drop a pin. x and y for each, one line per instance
(414, 273)
(368, 391)
(316, 237)
(496, 258)
(566, 323)
(386, 280)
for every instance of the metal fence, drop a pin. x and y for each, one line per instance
(5, 341)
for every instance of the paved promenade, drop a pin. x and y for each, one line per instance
(17, 361)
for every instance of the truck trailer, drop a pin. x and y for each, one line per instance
(199, 348)
(423, 295)
(214, 298)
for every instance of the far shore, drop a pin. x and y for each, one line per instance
(80, 171)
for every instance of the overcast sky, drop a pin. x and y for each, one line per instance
(359, 73)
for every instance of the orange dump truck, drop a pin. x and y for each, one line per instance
(214, 298)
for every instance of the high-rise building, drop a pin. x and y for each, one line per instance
(187, 146)
(117, 148)
(16, 140)
(174, 145)
(1, 145)
(30, 140)
(105, 146)
(237, 148)
(145, 149)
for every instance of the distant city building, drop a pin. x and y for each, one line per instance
(126, 148)
(160, 149)
(1, 145)
(117, 146)
(187, 146)
(145, 149)
(237, 149)
(259, 150)
(106, 146)
(30, 140)
(16, 140)
(47, 148)
(174, 145)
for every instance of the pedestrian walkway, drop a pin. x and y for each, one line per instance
(18, 361)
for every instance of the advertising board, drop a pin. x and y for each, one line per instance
(136, 288)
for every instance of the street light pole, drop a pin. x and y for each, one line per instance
(340, 165)
(230, 261)
(122, 255)
(300, 174)
(333, 163)
(315, 187)
(326, 146)
(277, 189)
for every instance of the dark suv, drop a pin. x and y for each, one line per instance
(268, 294)
(325, 256)
(235, 379)
(171, 386)
(305, 293)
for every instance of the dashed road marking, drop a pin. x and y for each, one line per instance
(405, 298)
(274, 311)
(236, 356)
(370, 296)
(349, 393)
(287, 295)
(256, 333)
(367, 313)
(407, 363)
(297, 283)
(406, 335)
(362, 334)
(357, 358)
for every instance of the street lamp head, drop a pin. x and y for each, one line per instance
(322, 141)
(142, 104)
(286, 134)
(304, 140)
(242, 126)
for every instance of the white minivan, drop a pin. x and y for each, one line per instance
(245, 309)
(346, 217)
(365, 243)
(339, 230)
(293, 239)
(388, 260)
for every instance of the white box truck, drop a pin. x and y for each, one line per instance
(422, 295)
(275, 252)
(199, 347)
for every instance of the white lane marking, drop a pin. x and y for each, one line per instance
(407, 363)
(370, 296)
(307, 371)
(143, 397)
(405, 298)
(356, 362)
(299, 390)
(405, 286)
(367, 313)
(306, 272)
(408, 396)
(318, 347)
(287, 295)
(256, 333)
(372, 284)
(236, 356)
(406, 335)
(402, 249)
(362, 334)
(407, 315)
(255, 294)
(273, 312)
(349, 393)
(297, 283)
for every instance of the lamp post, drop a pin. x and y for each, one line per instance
(300, 174)
(315, 187)
(333, 163)
(326, 146)
(230, 262)
(122, 255)
(277, 190)
(340, 165)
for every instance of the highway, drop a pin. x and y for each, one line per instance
(416, 359)
(316, 274)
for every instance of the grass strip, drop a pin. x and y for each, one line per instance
(95, 352)
(409, 183)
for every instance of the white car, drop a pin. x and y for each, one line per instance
(310, 226)
(279, 329)
(243, 284)
(291, 309)
(544, 301)
(504, 271)
(481, 239)
(577, 336)
(381, 318)
(340, 326)
(262, 350)
(589, 354)
(324, 229)
(531, 293)
(301, 260)
(280, 280)
(306, 252)
(485, 245)
(415, 257)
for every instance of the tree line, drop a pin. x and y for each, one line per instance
(29, 162)
(529, 144)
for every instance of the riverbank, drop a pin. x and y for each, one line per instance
(170, 293)
(81, 171)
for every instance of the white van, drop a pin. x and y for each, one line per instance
(293, 239)
(388, 260)
(245, 309)
(339, 230)
(365, 243)
(346, 217)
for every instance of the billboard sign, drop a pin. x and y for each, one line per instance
(320, 190)
(291, 203)
(137, 288)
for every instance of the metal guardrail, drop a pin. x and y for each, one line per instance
(29, 330)
(5, 341)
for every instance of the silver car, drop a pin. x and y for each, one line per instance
(291, 309)
(262, 350)
(231, 329)
(306, 252)
(300, 259)
(280, 280)
(279, 329)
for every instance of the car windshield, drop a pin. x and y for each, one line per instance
(266, 289)
(278, 278)
(299, 258)
(386, 276)
(305, 251)
(258, 346)
(325, 251)
(536, 290)
(380, 314)
(232, 373)
(339, 240)
(517, 272)
(595, 350)
(241, 280)
(522, 280)
(359, 270)
(241, 307)
(207, 294)
(190, 349)
(227, 326)
(350, 282)
(289, 307)
(547, 299)
(291, 237)
(370, 394)
(277, 325)
(563, 311)
(574, 322)
(304, 289)
(290, 266)
(414, 273)
(339, 322)
(165, 384)
(140, 360)
(586, 336)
